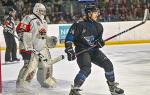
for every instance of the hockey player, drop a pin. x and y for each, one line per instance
(85, 34)
(32, 32)
(9, 29)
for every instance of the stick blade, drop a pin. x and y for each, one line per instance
(146, 15)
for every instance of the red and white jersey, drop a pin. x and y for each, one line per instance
(33, 32)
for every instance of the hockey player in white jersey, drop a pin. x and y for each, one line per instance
(32, 32)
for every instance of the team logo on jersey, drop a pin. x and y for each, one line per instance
(90, 40)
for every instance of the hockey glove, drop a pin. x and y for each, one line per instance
(51, 41)
(70, 54)
(100, 43)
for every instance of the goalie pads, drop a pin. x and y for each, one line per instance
(44, 73)
(27, 41)
(51, 41)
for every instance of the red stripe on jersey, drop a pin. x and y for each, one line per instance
(23, 27)
(42, 30)
(25, 51)
(7, 23)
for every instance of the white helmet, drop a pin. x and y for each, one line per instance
(40, 10)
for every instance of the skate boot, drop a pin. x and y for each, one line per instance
(114, 90)
(74, 90)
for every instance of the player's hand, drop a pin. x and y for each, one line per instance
(70, 54)
(100, 43)
(14, 29)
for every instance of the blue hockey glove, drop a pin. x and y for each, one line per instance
(70, 54)
(100, 43)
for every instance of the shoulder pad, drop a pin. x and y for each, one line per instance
(79, 21)
(28, 18)
(31, 17)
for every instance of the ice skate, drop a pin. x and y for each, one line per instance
(74, 90)
(8, 62)
(16, 60)
(114, 90)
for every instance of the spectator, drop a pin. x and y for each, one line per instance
(20, 5)
(70, 10)
(68, 17)
(2, 10)
(130, 15)
(4, 2)
(139, 12)
(62, 21)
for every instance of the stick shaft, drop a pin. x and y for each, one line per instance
(123, 31)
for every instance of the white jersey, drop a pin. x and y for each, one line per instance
(33, 31)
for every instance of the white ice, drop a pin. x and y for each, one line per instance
(132, 70)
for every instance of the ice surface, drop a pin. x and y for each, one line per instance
(132, 70)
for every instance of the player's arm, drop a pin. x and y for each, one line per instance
(69, 42)
(99, 40)
(24, 32)
(51, 41)
(8, 25)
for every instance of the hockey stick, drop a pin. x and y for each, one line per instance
(146, 14)
(48, 61)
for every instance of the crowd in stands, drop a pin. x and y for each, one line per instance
(68, 11)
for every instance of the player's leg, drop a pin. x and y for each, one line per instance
(44, 73)
(27, 72)
(44, 76)
(84, 63)
(14, 50)
(101, 60)
(8, 46)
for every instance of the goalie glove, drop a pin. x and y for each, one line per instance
(51, 41)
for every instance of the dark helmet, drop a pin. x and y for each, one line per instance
(9, 10)
(91, 8)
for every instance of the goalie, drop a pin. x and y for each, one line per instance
(32, 32)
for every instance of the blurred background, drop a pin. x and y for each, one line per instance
(68, 11)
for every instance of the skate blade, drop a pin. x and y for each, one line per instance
(116, 94)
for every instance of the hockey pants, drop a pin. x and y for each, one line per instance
(84, 61)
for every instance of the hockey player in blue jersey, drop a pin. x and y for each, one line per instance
(85, 34)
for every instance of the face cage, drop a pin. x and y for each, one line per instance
(42, 12)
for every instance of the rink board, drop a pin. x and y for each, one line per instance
(141, 33)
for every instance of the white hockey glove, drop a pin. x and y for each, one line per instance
(51, 41)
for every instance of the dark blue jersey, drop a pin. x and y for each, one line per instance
(84, 33)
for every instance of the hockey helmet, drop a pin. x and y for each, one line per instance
(91, 8)
(39, 9)
(10, 10)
